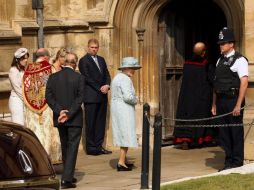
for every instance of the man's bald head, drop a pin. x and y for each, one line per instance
(199, 49)
(42, 53)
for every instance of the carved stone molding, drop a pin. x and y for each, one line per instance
(31, 27)
(66, 26)
(8, 35)
(140, 32)
(99, 11)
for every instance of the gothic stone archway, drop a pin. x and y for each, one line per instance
(136, 34)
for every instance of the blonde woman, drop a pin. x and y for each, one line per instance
(59, 60)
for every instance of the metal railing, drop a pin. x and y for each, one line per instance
(156, 171)
(157, 126)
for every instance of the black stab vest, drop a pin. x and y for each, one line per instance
(225, 79)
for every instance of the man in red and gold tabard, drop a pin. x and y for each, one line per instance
(38, 116)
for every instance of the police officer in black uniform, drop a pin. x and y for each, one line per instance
(230, 85)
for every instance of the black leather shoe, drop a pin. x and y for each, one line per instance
(224, 168)
(104, 151)
(185, 146)
(121, 168)
(67, 185)
(129, 165)
(74, 180)
(94, 153)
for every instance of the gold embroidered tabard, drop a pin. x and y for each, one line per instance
(35, 80)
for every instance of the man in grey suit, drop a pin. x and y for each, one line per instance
(64, 95)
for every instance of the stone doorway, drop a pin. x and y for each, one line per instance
(155, 31)
(181, 24)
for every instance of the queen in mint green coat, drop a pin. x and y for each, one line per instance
(123, 101)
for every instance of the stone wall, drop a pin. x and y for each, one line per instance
(67, 23)
(249, 48)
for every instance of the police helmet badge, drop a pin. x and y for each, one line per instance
(226, 35)
(221, 36)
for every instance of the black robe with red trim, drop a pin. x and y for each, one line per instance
(195, 100)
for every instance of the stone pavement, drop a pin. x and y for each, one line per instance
(99, 172)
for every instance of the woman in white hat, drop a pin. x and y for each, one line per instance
(16, 73)
(123, 101)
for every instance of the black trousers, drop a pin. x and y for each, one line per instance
(70, 138)
(95, 118)
(232, 138)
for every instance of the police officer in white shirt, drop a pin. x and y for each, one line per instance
(230, 85)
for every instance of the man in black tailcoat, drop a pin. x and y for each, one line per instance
(64, 95)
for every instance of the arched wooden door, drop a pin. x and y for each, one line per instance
(181, 24)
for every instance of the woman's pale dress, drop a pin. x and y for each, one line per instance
(16, 104)
(123, 101)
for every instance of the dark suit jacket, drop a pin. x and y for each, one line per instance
(94, 79)
(64, 90)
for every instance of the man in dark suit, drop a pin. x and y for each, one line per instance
(64, 95)
(97, 83)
